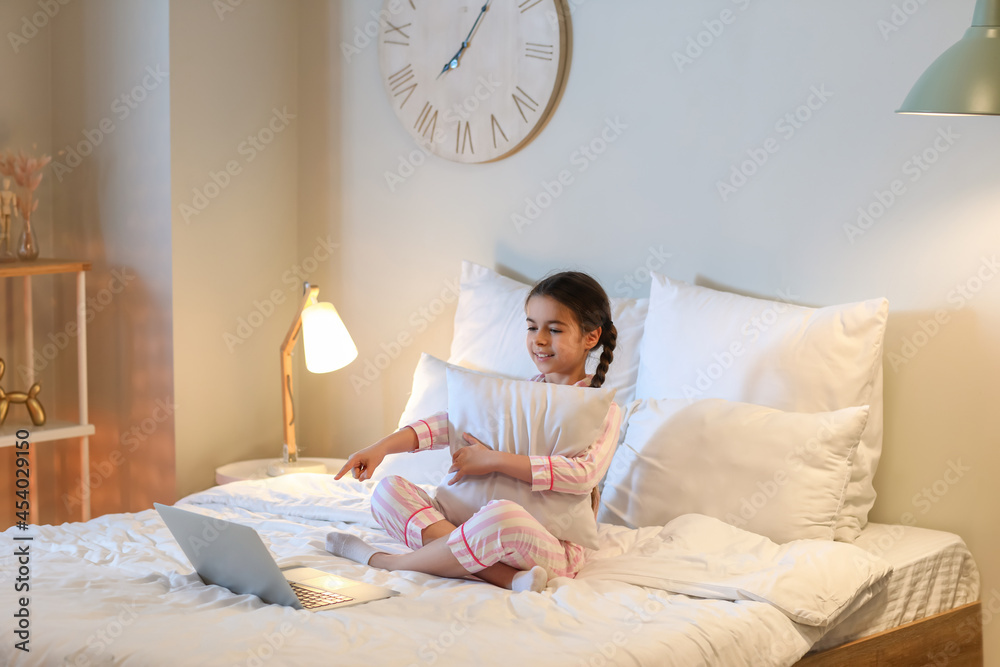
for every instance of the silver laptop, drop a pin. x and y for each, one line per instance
(232, 555)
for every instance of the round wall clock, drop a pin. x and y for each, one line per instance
(474, 80)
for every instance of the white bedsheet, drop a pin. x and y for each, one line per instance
(118, 590)
(933, 572)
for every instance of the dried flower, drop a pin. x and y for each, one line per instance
(27, 173)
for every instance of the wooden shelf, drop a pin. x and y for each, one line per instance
(42, 266)
(53, 429)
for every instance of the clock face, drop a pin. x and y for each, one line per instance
(474, 98)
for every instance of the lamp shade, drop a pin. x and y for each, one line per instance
(327, 344)
(965, 79)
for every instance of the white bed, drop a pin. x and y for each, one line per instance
(782, 438)
(932, 572)
(117, 590)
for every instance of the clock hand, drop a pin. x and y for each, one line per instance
(453, 63)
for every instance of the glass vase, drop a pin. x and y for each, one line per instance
(27, 249)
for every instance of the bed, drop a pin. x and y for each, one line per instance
(118, 590)
(732, 528)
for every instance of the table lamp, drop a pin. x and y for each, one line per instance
(328, 347)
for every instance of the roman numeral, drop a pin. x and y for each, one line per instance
(528, 4)
(495, 125)
(426, 123)
(526, 101)
(463, 140)
(397, 38)
(398, 81)
(540, 51)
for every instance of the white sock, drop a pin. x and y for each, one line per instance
(534, 580)
(350, 546)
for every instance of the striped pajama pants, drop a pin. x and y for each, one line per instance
(500, 532)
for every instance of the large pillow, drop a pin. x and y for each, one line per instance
(779, 474)
(490, 330)
(428, 396)
(703, 343)
(532, 419)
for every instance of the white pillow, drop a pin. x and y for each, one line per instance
(533, 419)
(428, 396)
(490, 330)
(703, 343)
(778, 474)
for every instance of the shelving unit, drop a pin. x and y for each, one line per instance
(53, 429)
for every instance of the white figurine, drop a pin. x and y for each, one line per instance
(8, 200)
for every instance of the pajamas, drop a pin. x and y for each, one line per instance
(500, 532)
(579, 474)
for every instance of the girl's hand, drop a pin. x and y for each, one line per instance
(476, 459)
(363, 463)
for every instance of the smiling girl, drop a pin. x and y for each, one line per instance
(568, 316)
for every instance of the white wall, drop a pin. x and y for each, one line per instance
(655, 187)
(233, 107)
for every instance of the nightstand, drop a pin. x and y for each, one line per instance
(257, 469)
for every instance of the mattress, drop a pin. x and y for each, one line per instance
(933, 572)
(118, 590)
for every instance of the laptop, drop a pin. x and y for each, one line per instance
(233, 555)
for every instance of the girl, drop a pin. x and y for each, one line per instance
(568, 315)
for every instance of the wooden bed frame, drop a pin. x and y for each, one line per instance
(953, 638)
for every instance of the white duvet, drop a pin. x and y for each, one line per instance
(118, 590)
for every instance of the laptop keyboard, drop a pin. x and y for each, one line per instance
(313, 597)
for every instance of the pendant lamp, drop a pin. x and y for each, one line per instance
(965, 79)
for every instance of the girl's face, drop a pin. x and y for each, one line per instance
(555, 342)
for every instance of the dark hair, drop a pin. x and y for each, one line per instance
(587, 299)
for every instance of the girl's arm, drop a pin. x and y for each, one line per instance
(432, 432)
(423, 434)
(578, 474)
(478, 459)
